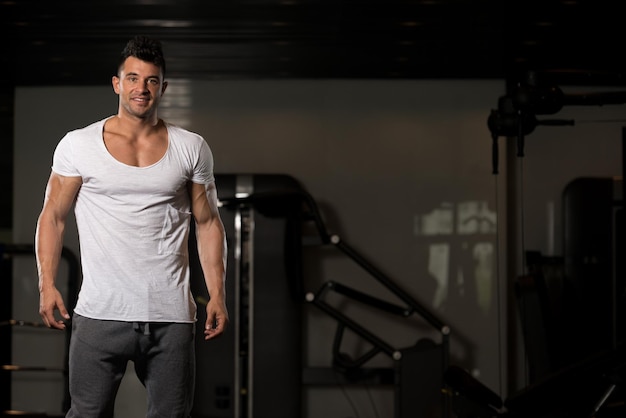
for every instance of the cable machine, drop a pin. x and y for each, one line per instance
(583, 387)
(417, 374)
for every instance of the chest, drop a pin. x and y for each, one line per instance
(140, 152)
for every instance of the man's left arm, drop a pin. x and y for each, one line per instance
(212, 251)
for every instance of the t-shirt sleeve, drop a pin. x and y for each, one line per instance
(203, 171)
(63, 158)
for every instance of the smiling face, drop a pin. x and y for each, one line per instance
(139, 86)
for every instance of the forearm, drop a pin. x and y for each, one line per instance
(48, 249)
(212, 252)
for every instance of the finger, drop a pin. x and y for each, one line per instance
(213, 331)
(210, 322)
(52, 322)
(45, 321)
(64, 313)
(47, 317)
(58, 324)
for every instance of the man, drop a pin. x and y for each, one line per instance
(135, 182)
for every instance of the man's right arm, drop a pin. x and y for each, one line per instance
(59, 198)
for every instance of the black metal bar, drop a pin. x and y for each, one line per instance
(73, 264)
(358, 329)
(66, 254)
(16, 368)
(368, 299)
(5, 332)
(388, 283)
(342, 360)
(619, 238)
(21, 323)
(261, 197)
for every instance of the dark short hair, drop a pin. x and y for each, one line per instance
(144, 48)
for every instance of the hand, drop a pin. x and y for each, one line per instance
(217, 318)
(50, 300)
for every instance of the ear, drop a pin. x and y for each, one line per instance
(164, 87)
(115, 81)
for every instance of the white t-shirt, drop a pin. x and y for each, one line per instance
(133, 225)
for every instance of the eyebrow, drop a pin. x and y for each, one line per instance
(136, 74)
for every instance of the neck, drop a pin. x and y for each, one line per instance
(138, 124)
(137, 127)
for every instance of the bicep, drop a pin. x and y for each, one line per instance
(204, 204)
(60, 194)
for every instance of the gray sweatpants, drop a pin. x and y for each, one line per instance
(164, 359)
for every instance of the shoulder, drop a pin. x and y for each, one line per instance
(187, 141)
(78, 148)
(182, 134)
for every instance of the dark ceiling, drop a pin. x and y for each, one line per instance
(77, 41)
